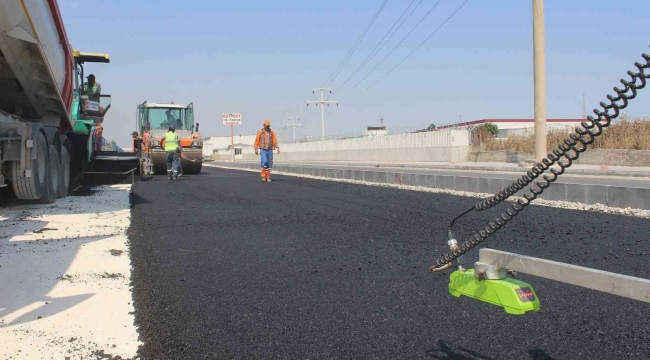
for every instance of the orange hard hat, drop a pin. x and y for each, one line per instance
(267, 123)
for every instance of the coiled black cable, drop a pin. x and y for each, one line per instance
(570, 149)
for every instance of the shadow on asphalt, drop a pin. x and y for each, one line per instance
(538, 354)
(136, 199)
(447, 351)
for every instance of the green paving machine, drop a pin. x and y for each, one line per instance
(48, 122)
(491, 278)
(91, 165)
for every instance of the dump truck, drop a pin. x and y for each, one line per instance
(46, 121)
(155, 119)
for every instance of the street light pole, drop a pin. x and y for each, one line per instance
(539, 63)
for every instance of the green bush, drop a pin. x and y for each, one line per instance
(488, 129)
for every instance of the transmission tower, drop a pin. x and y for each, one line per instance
(293, 124)
(322, 102)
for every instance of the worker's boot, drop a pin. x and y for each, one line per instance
(263, 174)
(170, 175)
(268, 175)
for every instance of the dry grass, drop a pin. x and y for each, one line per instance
(625, 133)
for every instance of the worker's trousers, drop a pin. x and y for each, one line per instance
(173, 162)
(180, 166)
(267, 158)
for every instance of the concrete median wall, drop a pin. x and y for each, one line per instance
(457, 153)
(449, 145)
(615, 196)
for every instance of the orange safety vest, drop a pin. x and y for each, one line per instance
(266, 140)
(145, 142)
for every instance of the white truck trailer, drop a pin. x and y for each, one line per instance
(46, 121)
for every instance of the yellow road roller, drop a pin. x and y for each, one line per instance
(153, 121)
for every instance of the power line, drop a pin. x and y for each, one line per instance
(377, 48)
(396, 46)
(354, 48)
(411, 53)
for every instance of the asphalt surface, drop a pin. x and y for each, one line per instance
(623, 181)
(228, 267)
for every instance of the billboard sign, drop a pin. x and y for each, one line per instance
(231, 118)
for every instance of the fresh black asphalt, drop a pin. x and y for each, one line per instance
(228, 267)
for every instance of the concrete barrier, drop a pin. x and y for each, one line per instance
(589, 194)
(436, 146)
(434, 154)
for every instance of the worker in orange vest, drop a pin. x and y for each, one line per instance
(265, 142)
(97, 137)
(145, 142)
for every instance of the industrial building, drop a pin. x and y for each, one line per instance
(509, 127)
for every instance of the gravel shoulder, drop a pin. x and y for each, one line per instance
(64, 278)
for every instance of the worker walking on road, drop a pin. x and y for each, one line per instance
(172, 147)
(265, 142)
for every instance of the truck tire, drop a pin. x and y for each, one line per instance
(34, 187)
(53, 177)
(64, 183)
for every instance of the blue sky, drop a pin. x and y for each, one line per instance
(262, 58)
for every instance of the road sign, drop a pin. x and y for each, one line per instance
(231, 118)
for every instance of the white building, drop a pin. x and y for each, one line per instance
(376, 131)
(508, 127)
(224, 142)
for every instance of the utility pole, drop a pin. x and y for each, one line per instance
(539, 64)
(322, 102)
(381, 121)
(294, 125)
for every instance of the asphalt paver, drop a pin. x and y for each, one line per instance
(228, 267)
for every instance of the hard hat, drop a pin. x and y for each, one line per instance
(267, 123)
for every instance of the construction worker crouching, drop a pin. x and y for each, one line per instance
(265, 142)
(172, 148)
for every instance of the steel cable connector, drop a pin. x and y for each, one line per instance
(568, 149)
